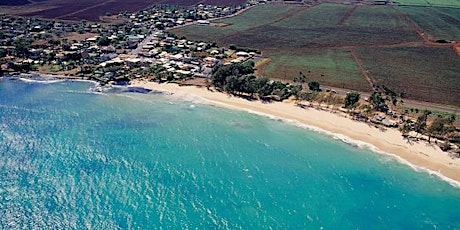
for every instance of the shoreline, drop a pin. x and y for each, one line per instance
(420, 156)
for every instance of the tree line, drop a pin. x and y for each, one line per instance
(238, 79)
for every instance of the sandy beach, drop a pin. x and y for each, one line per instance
(420, 155)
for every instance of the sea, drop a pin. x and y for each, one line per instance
(73, 158)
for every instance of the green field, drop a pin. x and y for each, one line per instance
(255, 17)
(318, 39)
(423, 73)
(436, 3)
(436, 23)
(279, 26)
(330, 67)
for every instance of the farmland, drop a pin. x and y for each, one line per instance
(423, 73)
(437, 23)
(91, 9)
(275, 26)
(320, 41)
(436, 3)
(330, 67)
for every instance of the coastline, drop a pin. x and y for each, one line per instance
(419, 155)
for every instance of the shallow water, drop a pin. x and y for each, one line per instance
(70, 158)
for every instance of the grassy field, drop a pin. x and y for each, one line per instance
(436, 23)
(423, 73)
(330, 67)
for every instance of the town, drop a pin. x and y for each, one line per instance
(139, 46)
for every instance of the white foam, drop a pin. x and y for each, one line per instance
(41, 81)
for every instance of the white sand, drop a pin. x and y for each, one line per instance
(419, 154)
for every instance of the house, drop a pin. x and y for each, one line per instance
(203, 22)
(136, 38)
(242, 54)
(378, 119)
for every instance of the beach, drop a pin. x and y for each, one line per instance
(418, 154)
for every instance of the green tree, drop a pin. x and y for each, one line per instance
(300, 79)
(21, 47)
(262, 86)
(351, 100)
(442, 125)
(420, 125)
(378, 102)
(314, 86)
(103, 41)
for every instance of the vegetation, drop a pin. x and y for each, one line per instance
(22, 46)
(441, 127)
(436, 23)
(334, 67)
(314, 86)
(317, 41)
(423, 73)
(351, 100)
(237, 79)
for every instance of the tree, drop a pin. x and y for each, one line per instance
(314, 86)
(420, 125)
(300, 79)
(351, 99)
(103, 41)
(407, 127)
(248, 67)
(378, 102)
(307, 96)
(262, 86)
(442, 125)
(21, 46)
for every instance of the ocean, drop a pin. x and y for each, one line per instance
(71, 158)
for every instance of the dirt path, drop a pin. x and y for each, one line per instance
(362, 69)
(347, 15)
(411, 25)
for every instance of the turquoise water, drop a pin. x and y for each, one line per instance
(70, 158)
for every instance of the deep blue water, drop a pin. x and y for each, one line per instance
(70, 158)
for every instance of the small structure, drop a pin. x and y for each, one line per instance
(378, 119)
(203, 22)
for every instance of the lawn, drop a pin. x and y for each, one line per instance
(436, 23)
(333, 67)
(423, 73)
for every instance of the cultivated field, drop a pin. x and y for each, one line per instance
(350, 46)
(437, 3)
(325, 25)
(330, 67)
(423, 73)
(436, 23)
(92, 9)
